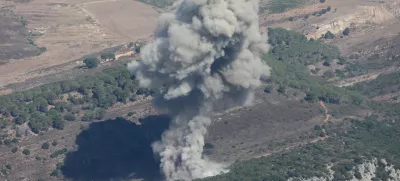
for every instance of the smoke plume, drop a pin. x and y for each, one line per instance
(205, 51)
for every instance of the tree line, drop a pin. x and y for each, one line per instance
(52, 104)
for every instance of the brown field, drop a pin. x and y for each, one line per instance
(129, 19)
(70, 29)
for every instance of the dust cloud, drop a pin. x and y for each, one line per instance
(204, 51)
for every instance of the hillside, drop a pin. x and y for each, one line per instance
(329, 110)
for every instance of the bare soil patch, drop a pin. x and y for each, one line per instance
(129, 19)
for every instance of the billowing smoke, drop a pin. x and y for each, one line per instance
(204, 52)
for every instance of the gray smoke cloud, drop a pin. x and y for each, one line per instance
(204, 52)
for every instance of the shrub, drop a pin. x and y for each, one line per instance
(326, 63)
(329, 35)
(131, 114)
(31, 42)
(26, 152)
(42, 49)
(268, 89)
(55, 173)
(107, 56)
(14, 150)
(70, 117)
(8, 166)
(54, 143)
(282, 89)
(45, 146)
(58, 124)
(22, 118)
(58, 152)
(91, 62)
(346, 32)
(59, 165)
(321, 1)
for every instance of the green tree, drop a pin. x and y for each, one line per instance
(45, 146)
(70, 117)
(61, 106)
(56, 118)
(107, 56)
(55, 173)
(91, 62)
(329, 35)
(41, 104)
(58, 124)
(346, 32)
(15, 140)
(282, 89)
(22, 118)
(39, 122)
(311, 97)
(26, 152)
(14, 150)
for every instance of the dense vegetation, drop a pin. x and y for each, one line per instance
(50, 105)
(362, 141)
(91, 62)
(292, 47)
(289, 54)
(383, 84)
(280, 6)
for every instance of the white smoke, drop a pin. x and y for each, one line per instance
(207, 50)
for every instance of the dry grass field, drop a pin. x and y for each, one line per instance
(70, 29)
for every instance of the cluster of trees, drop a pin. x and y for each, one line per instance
(322, 12)
(288, 56)
(91, 62)
(328, 35)
(293, 47)
(361, 142)
(383, 84)
(51, 104)
(280, 6)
